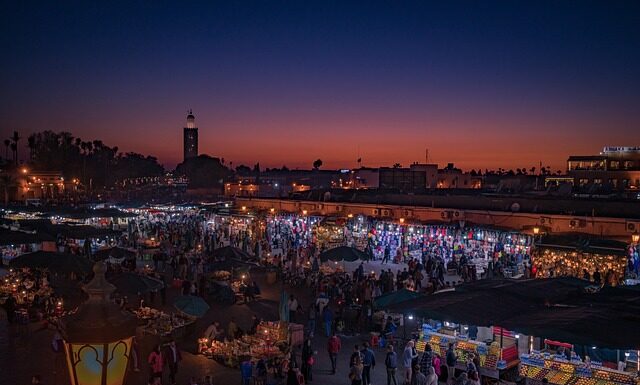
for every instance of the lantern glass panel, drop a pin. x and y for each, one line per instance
(87, 363)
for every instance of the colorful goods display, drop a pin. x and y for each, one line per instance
(270, 342)
(160, 323)
(22, 285)
(464, 348)
(573, 263)
(560, 371)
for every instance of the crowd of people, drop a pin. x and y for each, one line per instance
(417, 258)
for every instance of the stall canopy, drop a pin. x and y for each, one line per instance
(62, 263)
(230, 252)
(566, 309)
(395, 297)
(44, 226)
(113, 252)
(89, 213)
(191, 305)
(9, 237)
(343, 253)
(584, 243)
(132, 283)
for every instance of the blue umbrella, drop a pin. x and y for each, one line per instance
(191, 305)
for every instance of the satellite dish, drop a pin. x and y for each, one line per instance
(515, 207)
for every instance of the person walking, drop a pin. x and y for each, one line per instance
(451, 360)
(368, 363)
(333, 348)
(437, 364)
(327, 316)
(293, 308)
(354, 355)
(355, 373)
(407, 361)
(391, 363)
(156, 362)
(311, 323)
(418, 377)
(432, 378)
(307, 361)
(426, 361)
(172, 357)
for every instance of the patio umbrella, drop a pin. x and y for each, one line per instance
(113, 252)
(395, 297)
(230, 252)
(343, 253)
(191, 305)
(63, 263)
(132, 283)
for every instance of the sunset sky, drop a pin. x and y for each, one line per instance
(484, 84)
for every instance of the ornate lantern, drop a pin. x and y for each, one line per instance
(97, 339)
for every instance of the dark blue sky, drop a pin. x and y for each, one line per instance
(484, 84)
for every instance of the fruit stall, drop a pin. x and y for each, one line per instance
(496, 360)
(558, 370)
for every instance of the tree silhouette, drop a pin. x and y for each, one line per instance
(7, 182)
(14, 145)
(7, 143)
(397, 165)
(317, 164)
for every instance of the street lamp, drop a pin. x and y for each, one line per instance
(635, 238)
(97, 338)
(536, 230)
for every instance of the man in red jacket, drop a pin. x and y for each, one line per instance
(333, 347)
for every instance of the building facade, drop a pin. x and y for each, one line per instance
(617, 168)
(190, 137)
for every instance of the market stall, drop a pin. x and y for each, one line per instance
(600, 260)
(498, 356)
(561, 366)
(270, 343)
(158, 323)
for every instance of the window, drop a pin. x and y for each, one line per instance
(614, 165)
(597, 181)
(583, 182)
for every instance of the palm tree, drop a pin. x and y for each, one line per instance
(14, 150)
(7, 143)
(15, 138)
(7, 182)
(31, 143)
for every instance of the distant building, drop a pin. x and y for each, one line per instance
(365, 177)
(451, 177)
(41, 185)
(431, 173)
(190, 139)
(404, 179)
(615, 167)
(427, 176)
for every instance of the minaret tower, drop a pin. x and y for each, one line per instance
(190, 137)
